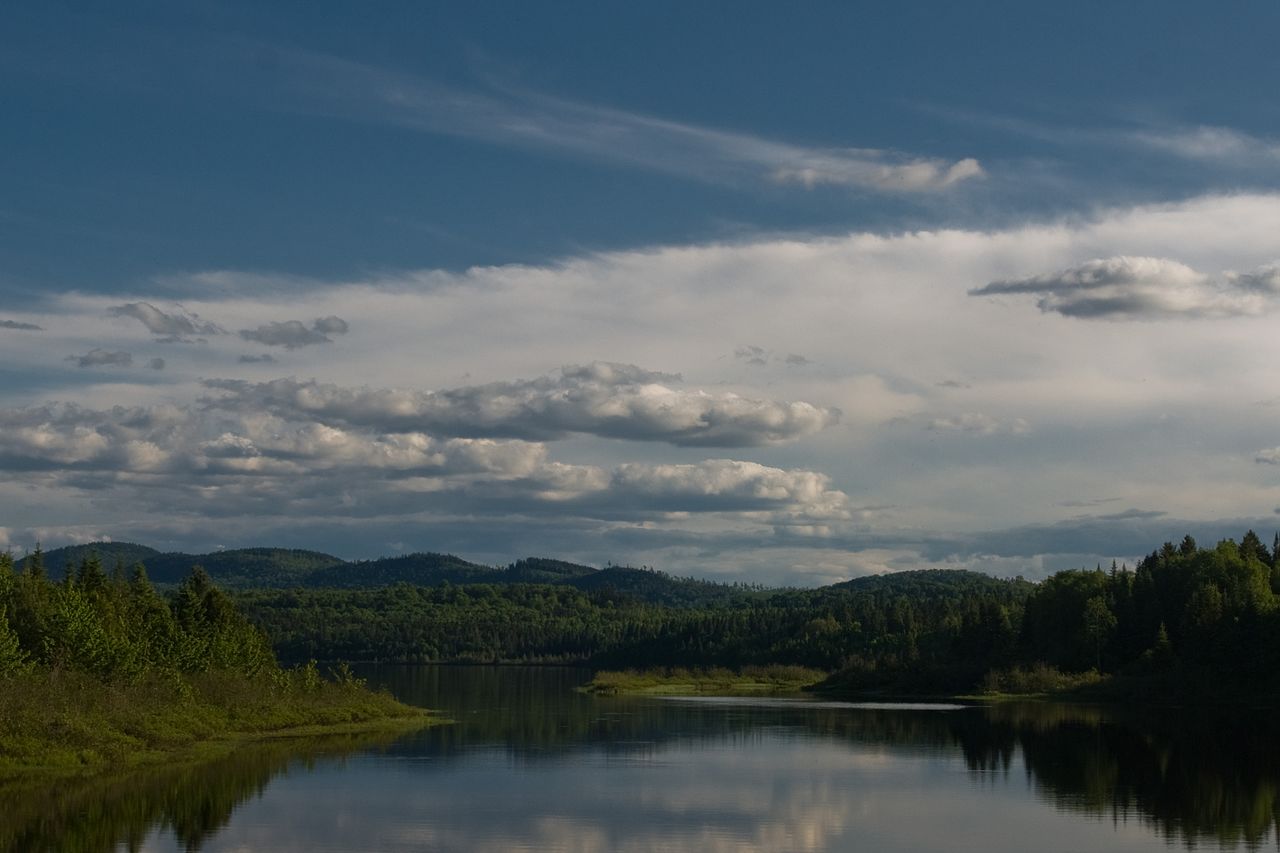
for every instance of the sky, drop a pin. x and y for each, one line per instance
(776, 293)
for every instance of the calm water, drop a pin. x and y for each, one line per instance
(532, 765)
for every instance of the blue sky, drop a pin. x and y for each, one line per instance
(788, 293)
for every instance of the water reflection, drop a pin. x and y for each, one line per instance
(192, 801)
(533, 765)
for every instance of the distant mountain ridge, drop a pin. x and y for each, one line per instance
(287, 568)
(276, 568)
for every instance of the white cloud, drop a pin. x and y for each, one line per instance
(603, 399)
(1270, 456)
(509, 116)
(1143, 288)
(175, 326)
(429, 440)
(1209, 143)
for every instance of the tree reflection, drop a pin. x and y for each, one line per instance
(194, 800)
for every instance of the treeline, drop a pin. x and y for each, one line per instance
(1188, 615)
(887, 620)
(100, 668)
(117, 627)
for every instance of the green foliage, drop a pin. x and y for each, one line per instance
(93, 668)
(13, 660)
(1037, 678)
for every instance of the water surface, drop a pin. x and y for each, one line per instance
(531, 764)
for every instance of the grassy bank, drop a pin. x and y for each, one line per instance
(751, 680)
(71, 721)
(193, 796)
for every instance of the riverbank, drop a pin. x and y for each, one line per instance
(749, 681)
(69, 722)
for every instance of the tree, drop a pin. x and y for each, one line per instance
(1099, 622)
(13, 660)
(1251, 546)
(33, 566)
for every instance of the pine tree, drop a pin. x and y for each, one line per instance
(13, 660)
(33, 566)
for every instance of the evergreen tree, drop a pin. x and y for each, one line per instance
(13, 660)
(33, 566)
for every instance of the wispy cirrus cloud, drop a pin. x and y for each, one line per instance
(518, 117)
(1209, 143)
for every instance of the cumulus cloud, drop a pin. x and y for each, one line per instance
(727, 484)
(1125, 287)
(173, 327)
(25, 327)
(752, 354)
(1264, 280)
(102, 358)
(604, 399)
(208, 463)
(292, 334)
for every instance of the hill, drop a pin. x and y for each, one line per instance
(128, 553)
(285, 568)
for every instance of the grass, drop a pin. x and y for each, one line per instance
(119, 808)
(1036, 681)
(679, 681)
(69, 721)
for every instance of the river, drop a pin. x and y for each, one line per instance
(532, 764)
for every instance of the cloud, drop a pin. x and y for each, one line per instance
(603, 399)
(726, 484)
(754, 355)
(14, 324)
(330, 326)
(292, 334)
(265, 358)
(868, 168)
(1125, 287)
(102, 358)
(793, 359)
(205, 464)
(980, 424)
(1270, 456)
(175, 327)
(508, 115)
(1213, 144)
(156, 364)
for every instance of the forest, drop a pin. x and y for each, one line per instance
(101, 667)
(1185, 622)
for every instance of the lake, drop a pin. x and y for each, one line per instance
(532, 764)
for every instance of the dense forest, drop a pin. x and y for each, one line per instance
(101, 666)
(1185, 619)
